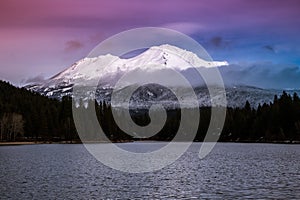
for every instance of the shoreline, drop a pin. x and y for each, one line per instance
(37, 142)
(142, 141)
(16, 143)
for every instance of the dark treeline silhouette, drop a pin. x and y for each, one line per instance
(277, 121)
(28, 116)
(25, 115)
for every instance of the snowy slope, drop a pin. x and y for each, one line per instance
(104, 71)
(107, 67)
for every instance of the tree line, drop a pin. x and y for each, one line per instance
(28, 116)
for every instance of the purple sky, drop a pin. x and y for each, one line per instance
(40, 38)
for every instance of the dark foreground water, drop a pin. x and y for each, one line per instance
(240, 171)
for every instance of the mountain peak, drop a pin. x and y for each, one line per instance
(169, 56)
(155, 58)
(168, 47)
(109, 68)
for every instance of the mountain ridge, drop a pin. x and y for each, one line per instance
(157, 60)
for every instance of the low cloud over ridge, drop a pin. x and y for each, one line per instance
(264, 75)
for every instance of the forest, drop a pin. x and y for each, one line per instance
(28, 116)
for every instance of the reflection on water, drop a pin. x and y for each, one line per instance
(62, 171)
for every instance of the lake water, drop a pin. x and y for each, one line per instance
(68, 171)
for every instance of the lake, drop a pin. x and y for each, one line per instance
(231, 170)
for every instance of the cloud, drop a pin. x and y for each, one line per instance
(219, 42)
(73, 45)
(263, 74)
(36, 79)
(269, 48)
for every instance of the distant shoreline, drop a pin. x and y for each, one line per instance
(59, 142)
(16, 143)
(37, 142)
(142, 141)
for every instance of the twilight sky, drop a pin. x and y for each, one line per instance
(41, 38)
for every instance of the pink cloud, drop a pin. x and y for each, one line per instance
(73, 45)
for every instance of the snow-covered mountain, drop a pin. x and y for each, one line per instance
(101, 73)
